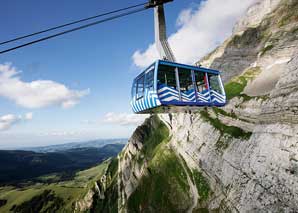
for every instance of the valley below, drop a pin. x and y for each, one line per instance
(51, 181)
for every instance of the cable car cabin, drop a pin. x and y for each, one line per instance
(171, 87)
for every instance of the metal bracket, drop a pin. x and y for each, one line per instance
(161, 41)
(154, 3)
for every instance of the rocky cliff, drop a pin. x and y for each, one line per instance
(239, 158)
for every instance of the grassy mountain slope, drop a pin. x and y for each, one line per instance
(55, 197)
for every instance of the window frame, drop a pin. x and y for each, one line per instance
(204, 86)
(189, 79)
(134, 88)
(149, 85)
(165, 74)
(220, 86)
(137, 88)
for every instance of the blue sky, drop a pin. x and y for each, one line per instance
(96, 66)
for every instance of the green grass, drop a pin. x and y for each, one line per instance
(47, 201)
(287, 13)
(109, 203)
(165, 188)
(263, 97)
(221, 111)
(93, 173)
(226, 132)
(295, 30)
(224, 129)
(236, 86)
(202, 185)
(113, 168)
(68, 191)
(232, 114)
(223, 143)
(156, 134)
(266, 49)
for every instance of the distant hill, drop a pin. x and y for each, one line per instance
(65, 196)
(19, 166)
(63, 147)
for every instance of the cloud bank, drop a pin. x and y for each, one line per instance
(36, 94)
(200, 30)
(124, 119)
(9, 120)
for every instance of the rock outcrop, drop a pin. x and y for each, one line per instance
(239, 158)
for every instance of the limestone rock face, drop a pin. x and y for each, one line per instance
(255, 14)
(259, 173)
(246, 175)
(268, 42)
(239, 158)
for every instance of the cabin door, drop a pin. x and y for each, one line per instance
(187, 89)
(202, 87)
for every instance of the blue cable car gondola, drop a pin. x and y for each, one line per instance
(171, 87)
(167, 86)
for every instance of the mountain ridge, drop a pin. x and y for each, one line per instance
(73, 145)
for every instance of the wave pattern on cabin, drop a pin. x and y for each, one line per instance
(204, 97)
(217, 98)
(168, 94)
(149, 101)
(188, 96)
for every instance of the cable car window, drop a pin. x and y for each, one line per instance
(150, 79)
(140, 87)
(185, 79)
(214, 83)
(134, 88)
(166, 76)
(200, 81)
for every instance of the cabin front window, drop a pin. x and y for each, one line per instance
(134, 88)
(140, 87)
(215, 83)
(150, 79)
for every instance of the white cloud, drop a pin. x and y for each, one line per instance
(36, 94)
(200, 30)
(28, 116)
(124, 119)
(9, 120)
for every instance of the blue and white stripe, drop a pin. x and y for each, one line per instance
(188, 96)
(168, 94)
(153, 99)
(150, 100)
(217, 98)
(204, 97)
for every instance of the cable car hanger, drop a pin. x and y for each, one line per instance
(167, 86)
